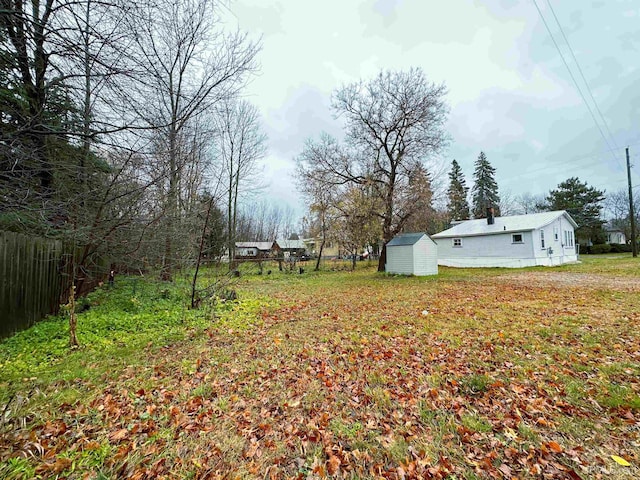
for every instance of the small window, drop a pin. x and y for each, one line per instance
(555, 234)
(457, 242)
(517, 238)
(542, 239)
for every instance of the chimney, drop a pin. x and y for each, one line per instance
(489, 215)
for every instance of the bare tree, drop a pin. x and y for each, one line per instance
(393, 123)
(241, 144)
(527, 203)
(616, 209)
(192, 65)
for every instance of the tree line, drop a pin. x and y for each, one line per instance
(123, 126)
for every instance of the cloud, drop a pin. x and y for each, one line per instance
(509, 90)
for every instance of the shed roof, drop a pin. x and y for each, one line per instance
(406, 239)
(259, 245)
(513, 223)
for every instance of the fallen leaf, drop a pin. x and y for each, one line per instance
(119, 435)
(620, 461)
(554, 447)
(333, 464)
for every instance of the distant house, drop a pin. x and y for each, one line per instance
(290, 248)
(412, 254)
(254, 249)
(546, 238)
(615, 235)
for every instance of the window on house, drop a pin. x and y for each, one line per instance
(517, 238)
(556, 235)
(568, 238)
(542, 239)
(457, 242)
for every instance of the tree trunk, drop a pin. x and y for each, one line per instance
(172, 204)
(383, 258)
(202, 237)
(319, 256)
(73, 320)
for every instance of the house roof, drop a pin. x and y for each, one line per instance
(259, 245)
(513, 223)
(610, 228)
(291, 244)
(406, 239)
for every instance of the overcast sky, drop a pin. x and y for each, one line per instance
(510, 93)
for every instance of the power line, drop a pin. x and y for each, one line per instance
(560, 165)
(595, 103)
(573, 78)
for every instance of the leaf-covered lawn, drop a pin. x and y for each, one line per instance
(472, 374)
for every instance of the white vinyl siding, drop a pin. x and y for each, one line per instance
(421, 258)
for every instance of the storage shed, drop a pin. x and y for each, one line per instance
(412, 254)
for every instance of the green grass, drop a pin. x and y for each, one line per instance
(334, 364)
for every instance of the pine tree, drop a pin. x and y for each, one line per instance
(457, 206)
(485, 188)
(583, 203)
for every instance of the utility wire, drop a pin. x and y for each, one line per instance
(577, 159)
(606, 126)
(573, 78)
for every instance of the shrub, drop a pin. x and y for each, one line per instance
(620, 248)
(600, 248)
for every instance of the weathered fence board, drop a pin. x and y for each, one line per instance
(35, 275)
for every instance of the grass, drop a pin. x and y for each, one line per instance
(336, 373)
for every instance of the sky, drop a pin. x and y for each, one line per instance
(509, 91)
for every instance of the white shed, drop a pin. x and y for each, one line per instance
(412, 254)
(545, 238)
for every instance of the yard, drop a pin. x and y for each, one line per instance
(485, 373)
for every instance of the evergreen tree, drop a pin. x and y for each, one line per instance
(485, 188)
(457, 206)
(583, 203)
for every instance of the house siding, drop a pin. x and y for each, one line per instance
(492, 247)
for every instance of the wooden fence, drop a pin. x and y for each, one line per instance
(35, 275)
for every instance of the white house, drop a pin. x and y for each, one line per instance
(290, 248)
(412, 254)
(545, 238)
(615, 235)
(253, 249)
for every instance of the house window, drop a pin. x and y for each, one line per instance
(542, 239)
(568, 238)
(556, 234)
(457, 242)
(517, 238)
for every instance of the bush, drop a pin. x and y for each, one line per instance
(620, 248)
(584, 249)
(600, 248)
